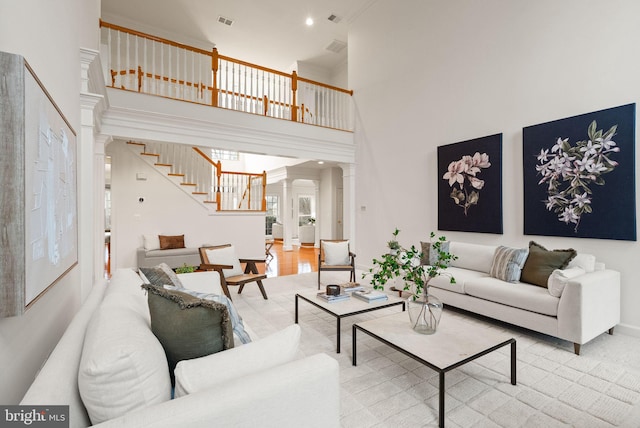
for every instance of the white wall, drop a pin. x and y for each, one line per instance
(168, 210)
(54, 54)
(442, 72)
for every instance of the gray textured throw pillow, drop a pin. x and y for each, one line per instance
(508, 262)
(161, 275)
(186, 326)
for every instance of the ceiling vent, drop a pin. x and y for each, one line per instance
(334, 18)
(336, 46)
(225, 21)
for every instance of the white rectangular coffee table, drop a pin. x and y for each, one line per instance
(345, 308)
(456, 342)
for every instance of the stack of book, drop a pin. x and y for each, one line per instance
(349, 287)
(331, 299)
(370, 295)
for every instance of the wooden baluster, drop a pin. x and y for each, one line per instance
(265, 104)
(294, 89)
(264, 191)
(139, 78)
(218, 179)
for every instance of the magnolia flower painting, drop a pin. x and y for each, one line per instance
(570, 171)
(470, 185)
(462, 176)
(579, 176)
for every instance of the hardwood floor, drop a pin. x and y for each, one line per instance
(299, 260)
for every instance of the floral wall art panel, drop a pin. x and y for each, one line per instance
(579, 176)
(470, 185)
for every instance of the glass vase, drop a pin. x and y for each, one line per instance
(424, 313)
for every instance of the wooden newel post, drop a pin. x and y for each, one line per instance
(264, 191)
(214, 87)
(139, 78)
(294, 89)
(219, 177)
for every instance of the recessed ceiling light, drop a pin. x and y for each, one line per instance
(309, 21)
(320, 162)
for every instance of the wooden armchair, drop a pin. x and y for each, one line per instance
(335, 255)
(223, 259)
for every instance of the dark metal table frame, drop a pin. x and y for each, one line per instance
(441, 372)
(339, 317)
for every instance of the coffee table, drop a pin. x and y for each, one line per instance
(456, 342)
(346, 308)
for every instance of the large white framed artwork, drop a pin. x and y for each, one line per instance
(39, 243)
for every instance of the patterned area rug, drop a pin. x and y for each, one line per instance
(556, 388)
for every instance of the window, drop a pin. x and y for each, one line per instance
(304, 209)
(217, 154)
(272, 212)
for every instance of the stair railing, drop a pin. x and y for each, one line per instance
(200, 175)
(148, 64)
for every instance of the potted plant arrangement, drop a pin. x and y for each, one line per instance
(185, 269)
(405, 264)
(394, 245)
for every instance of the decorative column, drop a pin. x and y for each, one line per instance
(349, 202)
(287, 215)
(316, 186)
(90, 248)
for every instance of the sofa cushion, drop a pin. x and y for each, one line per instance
(170, 242)
(508, 262)
(236, 321)
(225, 256)
(584, 261)
(560, 277)
(187, 327)
(520, 295)
(336, 253)
(460, 275)
(541, 262)
(160, 275)
(433, 254)
(203, 373)
(151, 242)
(123, 367)
(472, 256)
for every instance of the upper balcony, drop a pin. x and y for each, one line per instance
(223, 101)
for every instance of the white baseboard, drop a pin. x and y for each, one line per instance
(629, 330)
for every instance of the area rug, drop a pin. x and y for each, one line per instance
(556, 388)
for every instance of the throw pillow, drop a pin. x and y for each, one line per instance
(236, 320)
(541, 262)
(151, 242)
(508, 262)
(160, 275)
(426, 249)
(187, 327)
(171, 242)
(225, 256)
(336, 253)
(122, 367)
(263, 354)
(584, 261)
(433, 254)
(559, 279)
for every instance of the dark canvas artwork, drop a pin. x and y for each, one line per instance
(470, 185)
(579, 176)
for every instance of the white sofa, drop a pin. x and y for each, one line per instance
(249, 385)
(588, 306)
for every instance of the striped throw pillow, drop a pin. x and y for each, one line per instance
(508, 262)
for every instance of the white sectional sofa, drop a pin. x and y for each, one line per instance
(587, 306)
(263, 383)
(174, 258)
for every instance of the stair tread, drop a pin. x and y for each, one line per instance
(188, 184)
(199, 193)
(150, 154)
(135, 143)
(175, 174)
(162, 164)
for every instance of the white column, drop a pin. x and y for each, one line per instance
(349, 202)
(316, 186)
(287, 215)
(90, 111)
